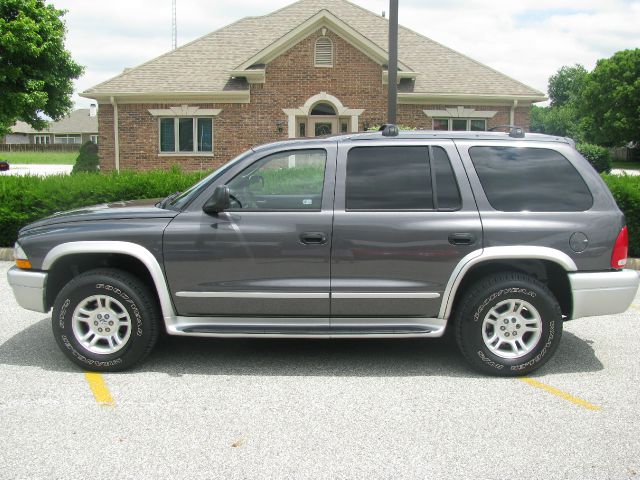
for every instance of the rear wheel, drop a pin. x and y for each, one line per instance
(508, 324)
(105, 320)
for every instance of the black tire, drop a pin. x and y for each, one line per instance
(491, 294)
(126, 295)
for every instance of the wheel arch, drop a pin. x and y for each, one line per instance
(546, 264)
(66, 260)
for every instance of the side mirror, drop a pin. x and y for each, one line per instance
(219, 201)
(256, 183)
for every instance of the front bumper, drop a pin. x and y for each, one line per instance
(603, 293)
(29, 288)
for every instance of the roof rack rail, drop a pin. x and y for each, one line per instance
(389, 130)
(514, 131)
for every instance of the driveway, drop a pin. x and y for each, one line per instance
(36, 169)
(301, 409)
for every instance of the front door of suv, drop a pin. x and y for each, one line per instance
(404, 217)
(267, 255)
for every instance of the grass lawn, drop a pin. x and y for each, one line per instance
(49, 158)
(627, 165)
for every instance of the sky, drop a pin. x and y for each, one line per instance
(528, 40)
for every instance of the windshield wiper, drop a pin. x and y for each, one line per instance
(163, 203)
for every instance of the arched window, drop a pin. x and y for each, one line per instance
(324, 52)
(323, 109)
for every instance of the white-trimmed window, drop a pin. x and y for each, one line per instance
(460, 124)
(42, 139)
(68, 138)
(323, 56)
(94, 138)
(186, 135)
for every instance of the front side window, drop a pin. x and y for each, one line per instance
(42, 139)
(186, 135)
(530, 179)
(290, 180)
(388, 178)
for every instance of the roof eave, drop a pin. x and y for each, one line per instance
(421, 98)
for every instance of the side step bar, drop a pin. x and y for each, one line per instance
(233, 327)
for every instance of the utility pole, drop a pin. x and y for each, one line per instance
(174, 26)
(393, 61)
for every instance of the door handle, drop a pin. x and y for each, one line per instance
(313, 238)
(462, 239)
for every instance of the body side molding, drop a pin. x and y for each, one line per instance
(518, 252)
(125, 248)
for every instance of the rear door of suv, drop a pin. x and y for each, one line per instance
(404, 217)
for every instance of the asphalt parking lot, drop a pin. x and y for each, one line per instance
(319, 409)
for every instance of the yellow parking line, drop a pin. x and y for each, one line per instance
(99, 389)
(559, 393)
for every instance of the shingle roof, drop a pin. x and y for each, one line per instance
(204, 64)
(79, 121)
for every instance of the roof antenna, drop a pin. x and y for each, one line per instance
(174, 26)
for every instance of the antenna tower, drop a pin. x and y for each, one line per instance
(174, 26)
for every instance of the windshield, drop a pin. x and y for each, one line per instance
(188, 195)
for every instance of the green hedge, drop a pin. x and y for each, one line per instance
(626, 190)
(599, 157)
(24, 199)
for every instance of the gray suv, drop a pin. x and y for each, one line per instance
(493, 237)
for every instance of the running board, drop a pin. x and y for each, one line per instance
(234, 327)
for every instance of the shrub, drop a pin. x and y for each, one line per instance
(87, 160)
(598, 157)
(25, 199)
(376, 127)
(626, 191)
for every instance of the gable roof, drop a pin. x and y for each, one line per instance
(204, 65)
(78, 121)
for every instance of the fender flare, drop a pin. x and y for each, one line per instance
(126, 248)
(519, 252)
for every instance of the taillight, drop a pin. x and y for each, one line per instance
(620, 249)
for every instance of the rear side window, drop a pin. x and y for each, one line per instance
(530, 179)
(388, 178)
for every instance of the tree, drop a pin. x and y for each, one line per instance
(87, 160)
(610, 100)
(36, 71)
(565, 86)
(562, 121)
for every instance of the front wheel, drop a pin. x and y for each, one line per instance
(105, 320)
(508, 324)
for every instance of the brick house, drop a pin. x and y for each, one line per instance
(78, 127)
(311, 68)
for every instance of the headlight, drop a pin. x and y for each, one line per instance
(20, 257)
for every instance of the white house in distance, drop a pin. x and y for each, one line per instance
(77, 128)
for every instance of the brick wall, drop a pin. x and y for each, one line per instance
(290, 80)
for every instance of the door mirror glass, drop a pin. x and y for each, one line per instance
(219, 201)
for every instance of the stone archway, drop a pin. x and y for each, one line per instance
(308, 115)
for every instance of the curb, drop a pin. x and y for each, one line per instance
(6, 254)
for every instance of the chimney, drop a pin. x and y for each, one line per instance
(92, 110)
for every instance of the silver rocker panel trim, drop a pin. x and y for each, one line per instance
(252, 294)
(234, 326)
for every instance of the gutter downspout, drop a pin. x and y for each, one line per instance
(116, 135)
(512, 117)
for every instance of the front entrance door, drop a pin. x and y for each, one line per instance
(321, 125)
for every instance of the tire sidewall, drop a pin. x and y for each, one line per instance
(83, 287)
(547, 344)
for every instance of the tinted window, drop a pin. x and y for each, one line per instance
(388, 178)
(531, 179)
(448, 194)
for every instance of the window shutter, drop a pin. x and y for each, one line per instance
(324, 52)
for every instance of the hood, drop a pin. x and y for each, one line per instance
(107, 211)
